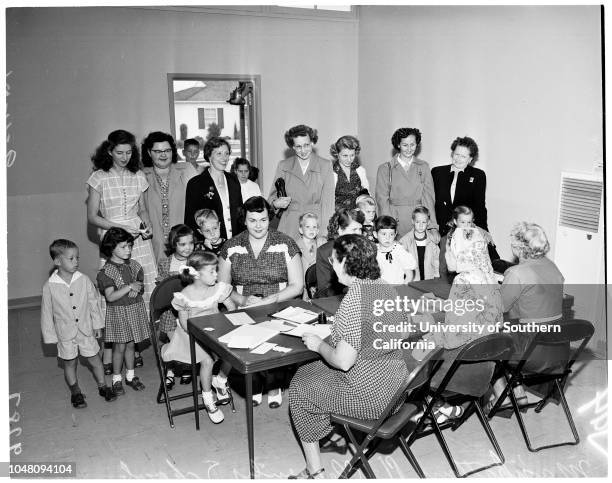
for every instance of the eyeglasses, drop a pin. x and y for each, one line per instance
(161, 151)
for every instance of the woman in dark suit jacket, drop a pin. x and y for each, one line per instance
(215, 189)
(470, 186)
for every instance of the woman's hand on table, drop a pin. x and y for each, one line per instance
(312, 341)
(282, 202)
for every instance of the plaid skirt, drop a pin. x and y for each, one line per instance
(126, 323)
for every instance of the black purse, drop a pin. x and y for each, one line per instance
(281, 191)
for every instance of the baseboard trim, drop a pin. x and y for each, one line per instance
(24, 302)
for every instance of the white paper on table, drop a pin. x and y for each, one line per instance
(247, 336)
(279, 348)
(279, 325)
(263, 348)
(240, 318)
(296, 314)
(322, 330)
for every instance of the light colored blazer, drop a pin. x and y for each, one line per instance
(432, 254)
(179, 175)
(399, 192)
(314, 192)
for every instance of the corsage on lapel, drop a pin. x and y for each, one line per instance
(471, 179)
(211, 192)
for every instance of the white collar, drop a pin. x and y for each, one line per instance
(454, 169)
(55, 278)
(404, 164)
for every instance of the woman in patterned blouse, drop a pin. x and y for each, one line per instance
(350, 178)
(263, 265)
(165, 198)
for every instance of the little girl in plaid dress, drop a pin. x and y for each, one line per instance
(121, 282)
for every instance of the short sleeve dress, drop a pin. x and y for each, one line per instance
(317, 389)
(178, 347)
(126, 318)
(265, 275)
(119, 196)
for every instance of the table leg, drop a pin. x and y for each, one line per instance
(249, 417)
(194, 381)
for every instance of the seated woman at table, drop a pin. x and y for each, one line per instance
(356, 376)
(263, 265)
(342, 222)
(532, 291)
(468, 256)
(201, 296)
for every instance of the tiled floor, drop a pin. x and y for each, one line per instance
(131, 437)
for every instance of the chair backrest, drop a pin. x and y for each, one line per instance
(570, 331)
(491, 348)
(310, 281)
(162, 295)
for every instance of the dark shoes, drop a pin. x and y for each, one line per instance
(169, 381)
(186, 379)
(78, 401)
(135, 384)
(333, 446)
(107, 393)
(138, 361)
(108, 369)
(118, 388)
(307, 475)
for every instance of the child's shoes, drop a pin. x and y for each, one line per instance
(118, 388)
(135, 384)
(107, 393)
(214, 413)
(221, 390)
(78, 401)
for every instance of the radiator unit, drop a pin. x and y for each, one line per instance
(579, 244)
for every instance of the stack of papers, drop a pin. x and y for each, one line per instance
(322, 330)
(279, 325)
(296, 314)
(240, 318)
(247, 336)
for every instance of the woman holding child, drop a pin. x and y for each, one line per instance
(263, 265)
(165, 198)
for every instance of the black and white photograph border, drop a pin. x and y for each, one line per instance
(526, 82)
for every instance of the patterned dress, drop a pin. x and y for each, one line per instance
(265, 275)
(178, 348)
(119, 196)
(347, 189)
(317, 389)
(126, 318)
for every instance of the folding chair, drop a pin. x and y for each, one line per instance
(161, 300)
(571, 331)
(389, 426)
(492, 348)
(310, 281)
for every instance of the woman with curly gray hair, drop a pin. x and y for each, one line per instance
(532, 292)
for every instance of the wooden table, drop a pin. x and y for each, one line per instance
(242, 359)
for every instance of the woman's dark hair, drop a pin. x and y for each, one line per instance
(112, 238)
(176, 233)
(254, 174)
(212, 144)
(150, 140)
(359, 255)
(385, 222)
(197, 260)
(301, 130)
(469, 143)
(102, 158)
(239, 162)
(343, 218)
(404, 132)
(257, 204)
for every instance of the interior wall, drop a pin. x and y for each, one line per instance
(75, 74)
(524, 82)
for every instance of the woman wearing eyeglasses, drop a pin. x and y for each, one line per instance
(405, 182)
(165, 198)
